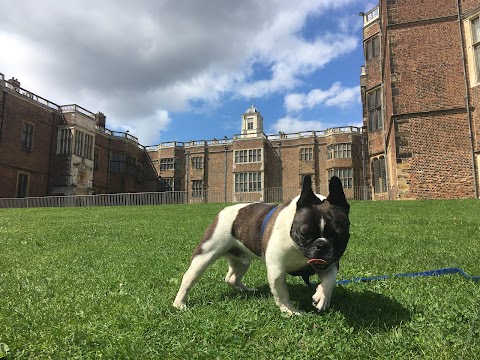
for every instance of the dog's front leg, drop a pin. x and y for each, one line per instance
(277, 278)
(321, 298)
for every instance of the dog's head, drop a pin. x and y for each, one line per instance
(320, 228)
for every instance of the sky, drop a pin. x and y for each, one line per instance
(182, 70)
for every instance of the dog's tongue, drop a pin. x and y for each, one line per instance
(317, 261)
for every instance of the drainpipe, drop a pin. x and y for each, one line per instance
(365, 163)
(187, 177)
(467, 100)
(385, 119)
(4, 99)
(108, 167)
(225, 175)
(54, 137)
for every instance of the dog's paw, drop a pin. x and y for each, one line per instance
(241, 287)
(321, 302)
(180, 305)
(291, 311)
(247, 289)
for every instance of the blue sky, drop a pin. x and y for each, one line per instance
(186, 70)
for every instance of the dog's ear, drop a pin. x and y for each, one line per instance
(307, 196)
(336, 195)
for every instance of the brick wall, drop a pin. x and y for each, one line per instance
(426, 124)
(219, 162)
(16, 110)
(401, 11)
(429, 72)
(439, 166)
(101, 172)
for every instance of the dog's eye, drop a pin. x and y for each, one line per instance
(307, 234)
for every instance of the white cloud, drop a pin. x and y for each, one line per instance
(146, 128)
(300, 58)
(142, 61)
(292, 125)
(336, 95)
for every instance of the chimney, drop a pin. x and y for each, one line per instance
(14, 82)
(100, 119)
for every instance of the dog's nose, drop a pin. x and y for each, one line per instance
(322, 246)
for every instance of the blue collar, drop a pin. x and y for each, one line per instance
(267, 218)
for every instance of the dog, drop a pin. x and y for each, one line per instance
(304, 236)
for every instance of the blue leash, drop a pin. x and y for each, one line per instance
(438, 272)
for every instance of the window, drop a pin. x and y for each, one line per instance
(306, 154)
(166, 184)
(374, 107)
(83, 145)
(379, 175)
(250, 124)
(255, 155)
(117, 162)
(27, 136)
(248, 182)
(372, 47)
(197, 162)
(344, 174)
(170, 184)
(248, 156)
(197, 188)
(241, 156)
(475, 24)
(95, 158)
(64, 141)
(131, 164)
(139, 173)
(339, 151)
(23, 180)
(169, 164)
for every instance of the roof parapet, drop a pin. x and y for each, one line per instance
(371, 16)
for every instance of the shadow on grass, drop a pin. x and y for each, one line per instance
(362, 309)
(367, 309)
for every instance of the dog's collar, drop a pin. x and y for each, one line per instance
(267, 218)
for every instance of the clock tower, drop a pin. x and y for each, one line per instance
(252, 123)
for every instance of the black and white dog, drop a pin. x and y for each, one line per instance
(304, 236)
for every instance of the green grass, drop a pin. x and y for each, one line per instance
(99, 282)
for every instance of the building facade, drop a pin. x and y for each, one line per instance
(48, 149)
(420, 92)
(252, 166)
(420, 96)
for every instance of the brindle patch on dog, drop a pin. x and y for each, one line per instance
(269, 228)
(248, 223)
(206, 236)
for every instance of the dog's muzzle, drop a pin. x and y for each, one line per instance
(319, 264)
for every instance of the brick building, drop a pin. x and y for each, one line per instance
(420, 93)
(420, 90)
(48, 149)
(253, 166)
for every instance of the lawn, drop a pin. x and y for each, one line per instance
(99, 282)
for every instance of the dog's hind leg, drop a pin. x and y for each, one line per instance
(236, 270)
(197, 267)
